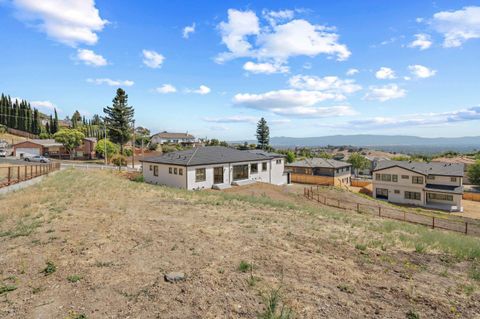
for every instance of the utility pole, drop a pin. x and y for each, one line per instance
(133, 146)
(105, 141)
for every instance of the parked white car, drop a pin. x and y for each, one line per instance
(37, 158)
(3, 153)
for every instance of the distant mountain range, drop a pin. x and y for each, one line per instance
(387, 142)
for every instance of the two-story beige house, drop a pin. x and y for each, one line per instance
(431, 185)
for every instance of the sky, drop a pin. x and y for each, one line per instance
(211, 68)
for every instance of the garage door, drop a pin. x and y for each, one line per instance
(27, 152)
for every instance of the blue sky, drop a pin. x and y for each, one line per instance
(310, 68)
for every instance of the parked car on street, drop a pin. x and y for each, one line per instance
(3, 153)
(37, 158)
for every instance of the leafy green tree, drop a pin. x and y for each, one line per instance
(263, 134)
(474, 173)
(70, 138)
(111, 148)
(118, 118)
(358, 162)
(290, 157)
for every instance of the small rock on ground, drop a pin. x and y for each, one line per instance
(175, 277)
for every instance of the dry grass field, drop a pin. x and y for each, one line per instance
(97, 245)
(11, 139)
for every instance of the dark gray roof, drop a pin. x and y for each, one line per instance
(206, 155)
(444, 188)
(319, 162)
(432, 168)
(266, 154)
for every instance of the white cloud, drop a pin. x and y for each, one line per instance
(425, 119)
(422, 41)
(44, 104)
(152, 59)
(385, 73)
(165, 89)
(421, 71)
(277, 42)
(70, 22)
(292, 103)
(273, 17)
(187, 30)
(457, 26)
(234, 33)
(111, 82)
(330, 84)
(232, 119)
(89, 57)
(385, 93)
(351, 72)
(202, 90)
(267, 68)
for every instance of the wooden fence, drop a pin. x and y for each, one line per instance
(471, 196)
(458, 225)
(14, 174)
(361, 182)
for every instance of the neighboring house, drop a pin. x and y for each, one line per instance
(51, 148)
(214, 166)
(172, 138)
(431, 185)
(466, 161)
(321, 171)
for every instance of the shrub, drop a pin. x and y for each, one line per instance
(412, 315)
(244, 266)
(127, 152)
(119, 160)
(273, 309)
(8, 288)
(50, 269)
(74, 278)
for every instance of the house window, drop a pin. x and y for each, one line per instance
(155, 170)
(200, 175)
(264, 166)
(453, 179)
(430, 177)
(395, 178)
(240, 172)
(279, 161)
(180, 171)
(169, 170)
(405, 177)
(412, 195)
(254, 168)
(384, 177)
(445, 197)
(417, 180)
(151, 167)
(175, 171)
(396, 191)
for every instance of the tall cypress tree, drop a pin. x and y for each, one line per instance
(263, 134)
(118, 118)
(54, 127)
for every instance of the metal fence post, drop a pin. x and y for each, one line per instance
(380, 211)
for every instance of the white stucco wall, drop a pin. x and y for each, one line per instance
(273, 174)
(164, 177)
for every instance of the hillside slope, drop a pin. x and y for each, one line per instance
(111, 241)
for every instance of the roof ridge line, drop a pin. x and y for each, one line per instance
(195, 152)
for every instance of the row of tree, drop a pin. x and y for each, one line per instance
(20, 115)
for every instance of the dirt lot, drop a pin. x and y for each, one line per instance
(109, 242)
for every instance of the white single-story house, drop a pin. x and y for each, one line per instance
(431, 185)
(214, 167)
(172, 138)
